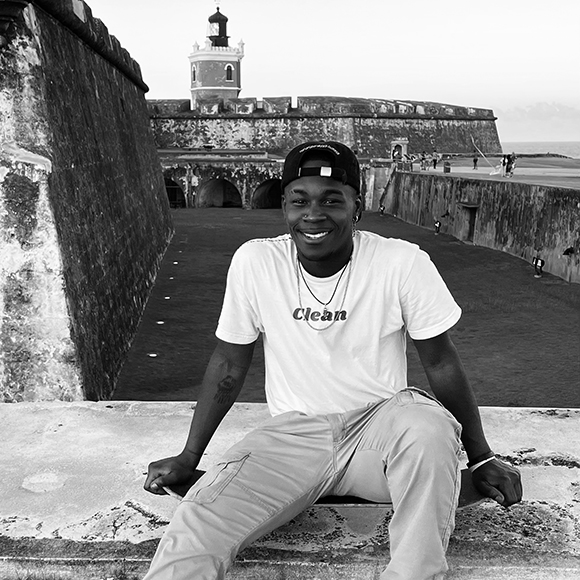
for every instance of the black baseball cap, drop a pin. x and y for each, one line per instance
(344, 164)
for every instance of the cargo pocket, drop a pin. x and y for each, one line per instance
(215, 480)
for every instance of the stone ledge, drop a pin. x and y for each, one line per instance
(72, 491)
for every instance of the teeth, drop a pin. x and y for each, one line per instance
(315, 236)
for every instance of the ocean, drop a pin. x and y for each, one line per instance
(567, 148)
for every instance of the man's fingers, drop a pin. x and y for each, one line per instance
(500, 481)
(506, 493)
(167, 473)
(156, 479)
(149, 481)
(490, 491)
(514, 493)
(511, 486)
(154, 486)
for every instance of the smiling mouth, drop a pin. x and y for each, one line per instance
(314, 236)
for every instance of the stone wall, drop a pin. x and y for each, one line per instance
(84, 217)
(367, 125)
(522, 219)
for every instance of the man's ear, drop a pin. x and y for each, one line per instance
(283, 202)
(359, 208)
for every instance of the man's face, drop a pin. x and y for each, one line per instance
(319, 213)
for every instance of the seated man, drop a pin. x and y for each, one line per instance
(334, 305)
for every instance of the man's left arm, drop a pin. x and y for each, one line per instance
(449, 383)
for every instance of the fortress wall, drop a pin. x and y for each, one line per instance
(83, 209)
(362, 124)
(522, 219)
(374, 136)
(275, 135)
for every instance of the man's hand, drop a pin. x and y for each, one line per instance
(170, 472)
(499, 481)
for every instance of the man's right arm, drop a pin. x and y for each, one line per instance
(222, 383)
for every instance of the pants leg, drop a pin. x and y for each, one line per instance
(405, 450)
(262, 482)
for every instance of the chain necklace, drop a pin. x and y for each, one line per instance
(300, 274)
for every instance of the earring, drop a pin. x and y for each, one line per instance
(354, 220)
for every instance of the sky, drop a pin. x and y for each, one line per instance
(519, 57)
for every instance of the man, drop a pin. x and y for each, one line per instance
(333, 305)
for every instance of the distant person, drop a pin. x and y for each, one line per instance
(512, 164)
(475, 159)
(538, 266)
(504, 165)
(334, 306)
(509, 166)
(424, 161)
(435, 159)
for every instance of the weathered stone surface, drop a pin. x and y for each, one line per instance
(367, 125)
(73, 476)
(83, 207)
(245, 173)
(522, 219)
(37, 356)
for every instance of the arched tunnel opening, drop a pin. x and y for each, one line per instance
(174, 193)
(268, 194)
(218, 193)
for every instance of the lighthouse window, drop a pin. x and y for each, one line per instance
(213, 29)
(193, 74)
(229, 72)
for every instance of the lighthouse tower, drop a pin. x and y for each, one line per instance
(216, 67)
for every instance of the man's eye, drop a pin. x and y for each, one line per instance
(298, 202)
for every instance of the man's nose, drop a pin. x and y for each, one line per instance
(313, 213)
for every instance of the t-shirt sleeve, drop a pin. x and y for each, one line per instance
(428, 307)
(238, 322)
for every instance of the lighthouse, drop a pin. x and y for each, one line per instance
(216, 67)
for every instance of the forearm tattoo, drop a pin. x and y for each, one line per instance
(225, 390)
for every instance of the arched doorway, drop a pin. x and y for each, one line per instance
(399, 149)
(174, 193)
(268, 194)
(218, 193)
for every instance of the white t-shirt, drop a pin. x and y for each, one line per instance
(389, 288)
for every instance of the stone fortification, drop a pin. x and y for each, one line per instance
(522, 219)
(84, 216)
(367, 125)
